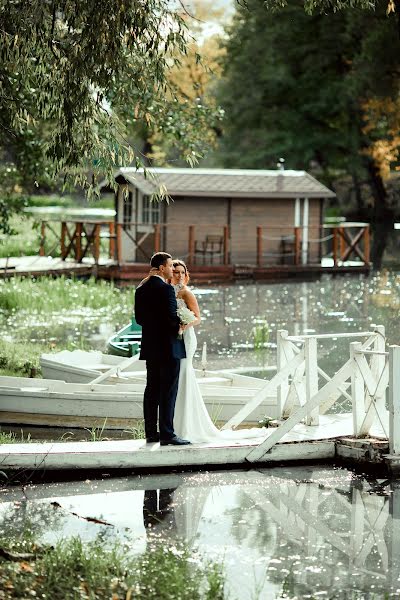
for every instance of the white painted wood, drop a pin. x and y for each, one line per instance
(282, 358)
(357, 524)
(341, 389)
(394, 400)
(138, 454)
(304, 243)
(297, 392)
(270, 387)
(297, 221)
(357, 389)
(331, 336)
(261, 450)
(311, 364)
(378, 362)
(124, 365)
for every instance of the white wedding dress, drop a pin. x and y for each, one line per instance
(191, 419)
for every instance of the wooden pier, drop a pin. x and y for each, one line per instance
(85, 247)
(308, 428)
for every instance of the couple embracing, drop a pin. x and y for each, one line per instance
(167, 311)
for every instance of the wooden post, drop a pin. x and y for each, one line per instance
(311, 360)
(191, 245)
(281, 361)
(78, 241)
(63, 236)
(357, 390)
(42, 251)
(342, 243)
(259, 247)
(119, 242)
(297, 242)
(96, 243)
(335, 246)
(378, 362)
(366, 245)
(111, 233)
(394, 400)
(226, 244)
(157, 237)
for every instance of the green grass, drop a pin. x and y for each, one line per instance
(47, 294)
(21, 359)
(73, 570)
(27, 240)
(12, 438)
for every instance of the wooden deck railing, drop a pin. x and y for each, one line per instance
(309, 245)
(305, 391)
(211, 244)
(81, 239)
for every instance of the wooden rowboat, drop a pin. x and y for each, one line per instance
(126, 341)
(118, 398)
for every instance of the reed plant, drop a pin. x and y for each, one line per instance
(47, 294)
(72, 569)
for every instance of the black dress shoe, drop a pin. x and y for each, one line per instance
(152, 439)
(175, 441)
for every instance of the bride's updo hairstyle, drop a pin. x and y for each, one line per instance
(177, 262)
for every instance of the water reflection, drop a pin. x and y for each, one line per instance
(230, 312)
(306, 532)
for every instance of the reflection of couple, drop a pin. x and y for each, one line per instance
(172, 390)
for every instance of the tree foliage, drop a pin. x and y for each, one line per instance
(306, 87)
(75, 74)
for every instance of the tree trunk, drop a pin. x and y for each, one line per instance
(382, 216)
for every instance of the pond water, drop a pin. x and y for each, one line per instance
(284, 532)
(238, 318)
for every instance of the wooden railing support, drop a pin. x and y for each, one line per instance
(226, 244)
(111, 233)
(42, 251)
(96, 244)
(357, 390)
(367, 245)
(63, 237)
(394, 400)
(259, 247)
(119, 242)
(191, 245)
(335, 246)
(297, 245)
(311, 362)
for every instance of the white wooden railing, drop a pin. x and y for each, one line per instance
(305, 391)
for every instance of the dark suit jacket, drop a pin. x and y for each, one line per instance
(156, 312)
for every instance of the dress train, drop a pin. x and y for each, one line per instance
(191, 419)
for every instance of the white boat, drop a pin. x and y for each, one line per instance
(59, 401)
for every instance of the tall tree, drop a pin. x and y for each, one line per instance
(74, 74)
(297, 85)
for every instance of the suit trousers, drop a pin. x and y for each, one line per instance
(160, 396)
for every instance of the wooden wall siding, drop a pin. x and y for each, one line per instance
(277, 219)
(207, 215)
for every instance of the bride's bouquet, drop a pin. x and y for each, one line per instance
(186, 317)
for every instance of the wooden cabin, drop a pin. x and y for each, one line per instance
(221, 216)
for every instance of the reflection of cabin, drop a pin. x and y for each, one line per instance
(221, 216)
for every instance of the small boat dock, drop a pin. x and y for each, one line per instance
(313, 423)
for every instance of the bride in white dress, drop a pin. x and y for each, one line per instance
(191, 420)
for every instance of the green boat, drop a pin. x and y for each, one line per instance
(126, 342)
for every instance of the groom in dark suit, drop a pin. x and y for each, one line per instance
(156, 312)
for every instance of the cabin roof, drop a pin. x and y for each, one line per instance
(243, 183)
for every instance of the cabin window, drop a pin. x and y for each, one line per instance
(151, 211)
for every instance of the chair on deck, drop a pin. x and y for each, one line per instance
(208, 249)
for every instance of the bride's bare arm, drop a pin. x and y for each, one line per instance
(192, 304)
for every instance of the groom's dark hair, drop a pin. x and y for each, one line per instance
(159, 258)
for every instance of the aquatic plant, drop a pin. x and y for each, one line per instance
(73, 569)
(260, 334)
(47, 294)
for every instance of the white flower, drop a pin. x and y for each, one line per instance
(186, 315)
